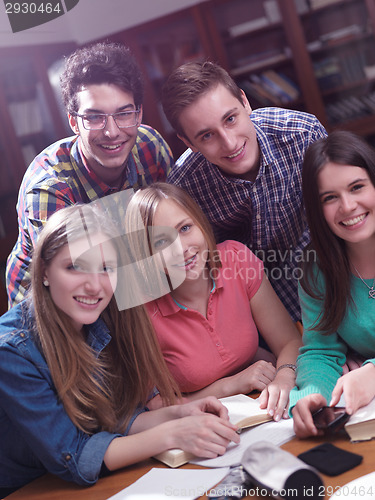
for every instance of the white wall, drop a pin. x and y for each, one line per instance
(89, 20)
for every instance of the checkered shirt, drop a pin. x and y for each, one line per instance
(58, 177)
(267, 215)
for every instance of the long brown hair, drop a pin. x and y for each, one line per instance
(343, 148)
(98, 393)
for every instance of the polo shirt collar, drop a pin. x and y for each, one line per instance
(167, 306)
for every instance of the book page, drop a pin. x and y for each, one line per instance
(241, 406)
(363, 414)
(163, 484)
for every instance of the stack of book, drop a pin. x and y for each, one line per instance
(351, 108)
(328, 72)
(270, 88)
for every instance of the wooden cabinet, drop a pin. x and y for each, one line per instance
(29, 107)
(312, 55)
(31, 120)
(341, 44)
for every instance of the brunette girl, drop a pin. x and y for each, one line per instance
(337, 292)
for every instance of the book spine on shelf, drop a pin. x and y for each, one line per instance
(287, 85)
(316, 4)
(247, 27)
(275, 89)
(264, 89)
(258, 95)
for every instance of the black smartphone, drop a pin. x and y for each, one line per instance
(330, 418)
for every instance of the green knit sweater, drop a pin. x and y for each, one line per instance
(321, 358)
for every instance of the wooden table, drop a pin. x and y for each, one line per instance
(50, 487)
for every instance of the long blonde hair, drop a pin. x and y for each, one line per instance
(98, 393)
(144, 203)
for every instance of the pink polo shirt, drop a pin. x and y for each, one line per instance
(199, 350)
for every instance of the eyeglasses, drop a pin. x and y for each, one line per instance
(98, 121)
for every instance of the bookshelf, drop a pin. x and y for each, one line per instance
(28, 107)
(341, 44)
(325, 48)
(262, 42)
(31, 120)
(299, 41)
(159, 46)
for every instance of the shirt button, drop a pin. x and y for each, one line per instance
(259, 243)
(217, 344)
(22, 335)
(68, 457)
(254, 189)
(258, 217)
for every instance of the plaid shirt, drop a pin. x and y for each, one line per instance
(58, 178)
(267, 215)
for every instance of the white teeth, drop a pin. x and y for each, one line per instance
(190, 260)
(110, 147)
(84, 300)
(236, 154)
(187, 262)
(352, 222)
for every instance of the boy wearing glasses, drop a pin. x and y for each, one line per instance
(102, 90)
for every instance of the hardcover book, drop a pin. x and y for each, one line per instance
(361, 425)
(243, 412)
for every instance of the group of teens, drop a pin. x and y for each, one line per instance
(111, 386)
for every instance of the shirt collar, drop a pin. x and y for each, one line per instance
(91, 182)
(168, 306)
(98, 336)
(267, 156)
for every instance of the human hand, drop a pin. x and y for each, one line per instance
(253, 378)
(302, 415)
(202, 435)
(209, 404)
(358, 387)
(275, 397)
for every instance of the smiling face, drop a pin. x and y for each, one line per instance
(82, 279)
(190, 254)
(348, 201)
(218, 126)
(106, 150)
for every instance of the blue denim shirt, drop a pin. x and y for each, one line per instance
(36, 434)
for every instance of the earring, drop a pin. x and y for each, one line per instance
(45, 282)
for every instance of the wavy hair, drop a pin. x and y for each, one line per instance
(343, 148)
(98, 393)
(110, 63)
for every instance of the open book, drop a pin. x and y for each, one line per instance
(243, 412)
(361, 425)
